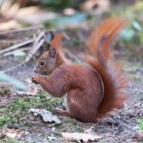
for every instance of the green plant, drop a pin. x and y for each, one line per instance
(10, 140)
(140, 123)
(16, 113)
(4, 120)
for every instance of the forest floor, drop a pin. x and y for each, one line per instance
(16, 121)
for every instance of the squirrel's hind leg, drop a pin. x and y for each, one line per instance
(63, 112)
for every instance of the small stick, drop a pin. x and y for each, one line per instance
(66, 36)
(11, 52)
(16, 46)
(21, 30)
(12, 68)
(10, 41)
(33, 51)
(72, 56)
(38, 38)
(37, 44)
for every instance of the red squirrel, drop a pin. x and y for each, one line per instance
(91, 90)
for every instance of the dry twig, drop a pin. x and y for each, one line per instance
(36, 45)
(16, 46)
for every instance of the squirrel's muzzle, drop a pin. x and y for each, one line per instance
(35, 69)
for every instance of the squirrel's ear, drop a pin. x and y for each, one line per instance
(56, 42)
(52, 52)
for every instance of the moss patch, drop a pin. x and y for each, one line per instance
(16, 114)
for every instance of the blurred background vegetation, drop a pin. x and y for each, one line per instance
(75, 14)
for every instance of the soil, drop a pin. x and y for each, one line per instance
(120, 126)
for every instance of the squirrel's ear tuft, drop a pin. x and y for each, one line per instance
(56, 42)
(52, 52)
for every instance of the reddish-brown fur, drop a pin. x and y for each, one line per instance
(91, 91)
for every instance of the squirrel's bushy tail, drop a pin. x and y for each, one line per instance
(103, 62)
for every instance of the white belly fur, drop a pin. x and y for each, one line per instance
(65, 102)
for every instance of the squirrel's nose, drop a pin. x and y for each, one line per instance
(35, 69)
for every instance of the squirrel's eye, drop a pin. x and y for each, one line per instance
(42, 63)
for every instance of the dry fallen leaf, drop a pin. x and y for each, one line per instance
(12, 133)
(138, 135)
(46, 115)
(96, 6)
(85, 137)
(31, 90)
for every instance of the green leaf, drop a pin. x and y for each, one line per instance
(14, 82)
(140, 123)
(127, 34)
(136, 25)
(67, 20)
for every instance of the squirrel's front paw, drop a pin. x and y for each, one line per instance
(35, 79)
